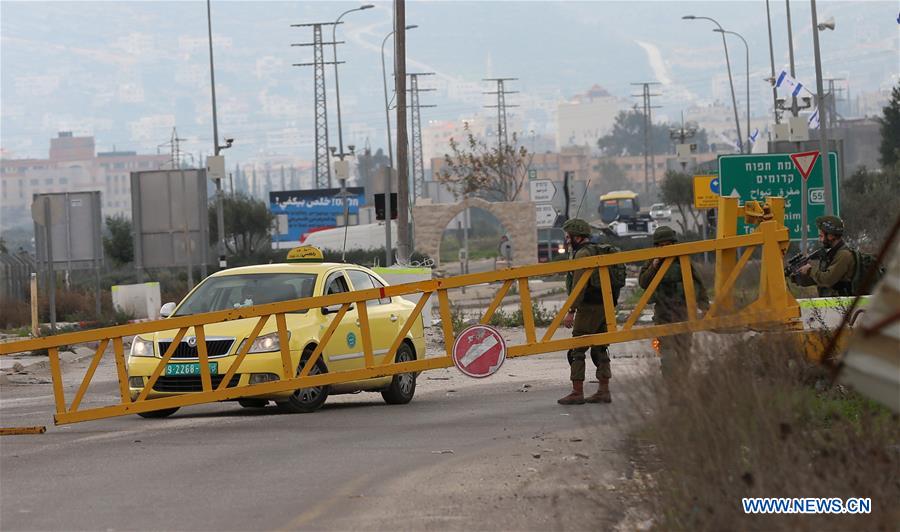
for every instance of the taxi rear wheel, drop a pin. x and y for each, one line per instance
(307, 400)
(403, 385)
(165, 412)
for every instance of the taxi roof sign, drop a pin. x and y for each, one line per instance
(305, 254)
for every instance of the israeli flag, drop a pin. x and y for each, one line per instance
(785, 80)
(753, 136)
(813, 121)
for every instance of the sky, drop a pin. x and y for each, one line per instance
(126, 72)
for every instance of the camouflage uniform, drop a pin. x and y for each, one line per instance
(834, 274)
(589, 319)
(670, 306)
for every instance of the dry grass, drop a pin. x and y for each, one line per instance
(760, 422)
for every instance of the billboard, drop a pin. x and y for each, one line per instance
(169, 215)
(299, 211)
(72, 222)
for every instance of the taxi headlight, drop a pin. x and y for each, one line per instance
(264, 344)
(141, 347)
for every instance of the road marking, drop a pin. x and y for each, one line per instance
(348, 489)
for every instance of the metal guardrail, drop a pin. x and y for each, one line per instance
(774, 307)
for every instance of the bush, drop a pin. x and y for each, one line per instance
(760, 421)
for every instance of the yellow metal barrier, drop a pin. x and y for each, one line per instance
(774, 307)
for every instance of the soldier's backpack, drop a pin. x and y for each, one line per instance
(616, 271)
(865, 262)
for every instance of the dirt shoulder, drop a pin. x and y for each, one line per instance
(571, 473)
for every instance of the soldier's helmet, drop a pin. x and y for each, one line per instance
(577, 227)
(830, 225)
(664, 234)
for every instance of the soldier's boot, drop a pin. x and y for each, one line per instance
(577, 395)
(602, 395)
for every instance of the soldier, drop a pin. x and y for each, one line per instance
(670, 304)
(586, 316)
(834, 274)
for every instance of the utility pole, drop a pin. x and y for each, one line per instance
(402, 140)
(794, 108)
(824, 114)
(649, 152)
(174, 149)
(831, 99)
(772, 63)
(502, 106)
(418, 162)
(323, 161)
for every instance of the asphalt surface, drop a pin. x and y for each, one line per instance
(494, 453)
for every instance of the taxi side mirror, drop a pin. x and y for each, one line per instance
(166, 310)
(334, 309)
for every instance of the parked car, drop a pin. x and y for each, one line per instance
(660, 211)
(551, 244)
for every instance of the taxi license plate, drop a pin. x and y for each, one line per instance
(192, 368)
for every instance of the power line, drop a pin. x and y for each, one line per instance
(323, 163)
(648, 124)
(418, 162)
(501, 106)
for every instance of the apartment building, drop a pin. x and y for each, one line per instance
(72, 165)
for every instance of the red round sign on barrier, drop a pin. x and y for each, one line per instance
(479, 351)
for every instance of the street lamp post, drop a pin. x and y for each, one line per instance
(772, 63)
(737, 122)
(387, 111)
(337, 95)
(220, 210)
(337, 90)
(747, 50)
(388, 215)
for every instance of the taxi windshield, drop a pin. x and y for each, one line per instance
(235, 291)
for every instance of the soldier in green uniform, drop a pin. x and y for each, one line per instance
(834, 274)
(670, 304)
(585, 317)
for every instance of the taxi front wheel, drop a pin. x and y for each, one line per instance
(403, 385)
(306, 400)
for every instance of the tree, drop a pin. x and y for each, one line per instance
(247, 224)
(678, 190)
(890, 131)
(870, 202)
(627, 137)
(612, 177)
(118, 243)
(495, 173)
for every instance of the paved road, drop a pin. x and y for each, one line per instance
(496, 453)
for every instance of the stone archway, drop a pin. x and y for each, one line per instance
(517, 217)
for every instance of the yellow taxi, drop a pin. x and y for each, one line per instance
(270, 283)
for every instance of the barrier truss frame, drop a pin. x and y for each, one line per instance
(774, 307)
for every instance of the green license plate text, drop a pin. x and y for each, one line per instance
(191, 368)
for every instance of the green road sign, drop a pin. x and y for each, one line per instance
(532, 174)
(756, 177)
